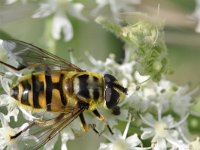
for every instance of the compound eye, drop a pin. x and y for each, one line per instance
(109, 78)
(112, 97)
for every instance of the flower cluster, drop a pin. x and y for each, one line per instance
(169, 103)
(116, 6)
(146, 41)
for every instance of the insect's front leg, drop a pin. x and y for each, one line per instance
(86, 126)
(101, 117)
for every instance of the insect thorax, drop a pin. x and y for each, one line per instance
(89, 87)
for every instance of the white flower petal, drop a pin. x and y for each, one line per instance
(66, 135)
(5, 84)
(127, 127)
(64, 146)
(141, 78)
(147, 133)
(3, 120)
(76, 11)
(169, 120)
(61, 23)
(13, 113)
(27, 114)
(100, 5)
(4, 100)
(104, 146)
(50, 145)
(120, 144)
(175, 142)
(102, 2)
(45, 10)
(10, 1)
(148, 119)
(160, 145)
(133, 141)
(2, 144)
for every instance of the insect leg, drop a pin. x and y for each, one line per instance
(39, 123)
(86, 126)
(101, 117)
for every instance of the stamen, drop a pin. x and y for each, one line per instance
(180, 122)
(146, 121)
(183, 136)
(127, 127)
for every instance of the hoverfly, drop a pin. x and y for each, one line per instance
(58, 86)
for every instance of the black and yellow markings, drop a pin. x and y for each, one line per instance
(25, 94)
(15, 92)
(49, 88)
(83, 86)
(55, 97)
(88, 86)
(96, 90)
(22, 92)
(42, 90)
(59, 86)
(38, 89)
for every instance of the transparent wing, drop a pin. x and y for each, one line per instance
(47, 133)
(28, 55)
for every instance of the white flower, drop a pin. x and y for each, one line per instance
(116, 6)
(163, 131)
(169, 95)
(165, 93)
(182, 101)
(60, 22)
(6, 132)
(122, 142)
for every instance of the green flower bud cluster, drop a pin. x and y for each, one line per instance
(146, 41)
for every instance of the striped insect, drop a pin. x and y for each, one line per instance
(57, 86)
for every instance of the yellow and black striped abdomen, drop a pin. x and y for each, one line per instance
(43, 90)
